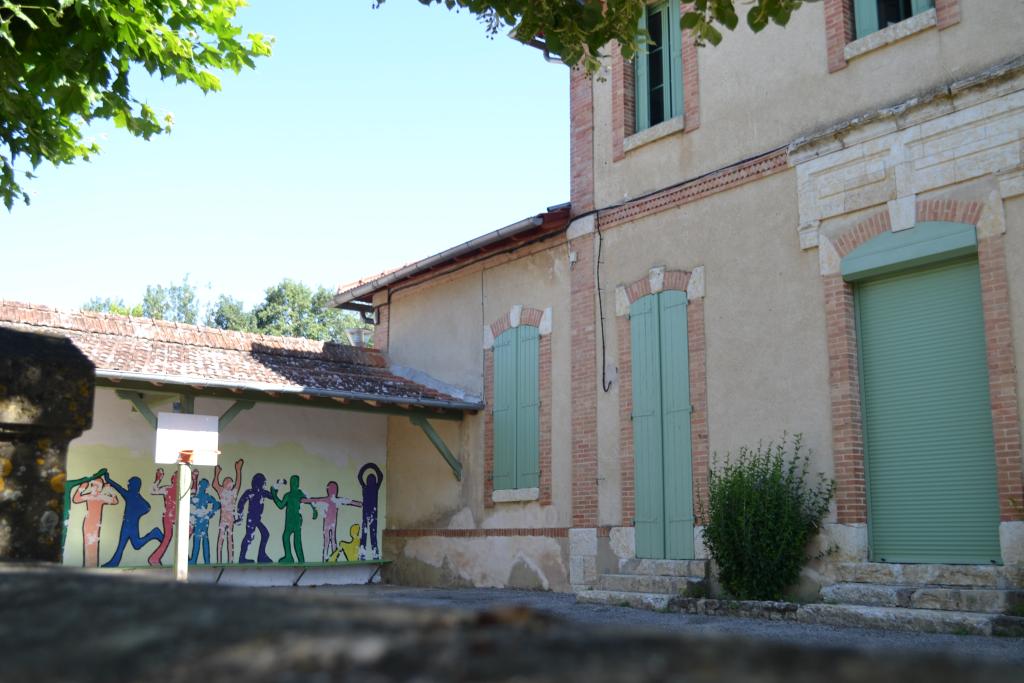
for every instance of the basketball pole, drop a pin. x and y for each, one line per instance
(184, 509)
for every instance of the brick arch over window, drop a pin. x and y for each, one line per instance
(658, 280)
(514, 317)
(845, 390)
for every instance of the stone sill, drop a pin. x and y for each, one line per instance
(515, 495)
(649, 135)
(891, 34)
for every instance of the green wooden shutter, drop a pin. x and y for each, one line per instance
(865, 16)
(505, 357)
(641, 83)
(674, 45)
(527, 408)
(930, 455)
(647, 431)
(675, 399)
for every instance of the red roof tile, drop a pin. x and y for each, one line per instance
(189, 354)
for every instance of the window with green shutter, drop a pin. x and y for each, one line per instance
(873, 15)
(516, 408)
(658, 67)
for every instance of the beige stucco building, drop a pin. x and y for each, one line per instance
(780, 208)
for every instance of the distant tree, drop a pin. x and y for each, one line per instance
(109, 305)
(175, 302)
(228, 313)
(291, 309)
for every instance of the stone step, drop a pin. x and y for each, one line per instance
(898, 619)
(652, 601)
(975, 576)
(690, 586)
(963, 599)
(694, 568)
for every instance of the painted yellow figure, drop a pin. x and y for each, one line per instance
(348, 549)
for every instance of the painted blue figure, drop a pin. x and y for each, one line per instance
(254, 520)
(204, 507)
(135, 507)
(370, 478)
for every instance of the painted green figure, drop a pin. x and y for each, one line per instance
(291, 503)
(68, 488)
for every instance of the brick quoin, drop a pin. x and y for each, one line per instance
(838, 31)
(581, 141)
(947, 13)
(532, 317)
(584, 383)
(844, 382)
(699, 443)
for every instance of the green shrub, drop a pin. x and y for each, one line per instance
(760, 514)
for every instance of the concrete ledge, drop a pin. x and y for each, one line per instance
(267, 575)
(756, 609)
(890, 34)
(515, 495)
(649, 135)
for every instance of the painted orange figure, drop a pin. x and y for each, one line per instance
(227, 492)
(170, 496)
(96, 495)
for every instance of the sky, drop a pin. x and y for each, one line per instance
(371, 138)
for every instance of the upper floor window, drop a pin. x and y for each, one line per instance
(873, 15)
(659, 66)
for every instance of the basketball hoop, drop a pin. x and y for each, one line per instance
(190, 456)
(188, 441)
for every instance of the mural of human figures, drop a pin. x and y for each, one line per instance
(291, 503)
(135, 507)
(370, 478)
(69, 486)
(227, 492)
(347, 551)
(254, 519)
(113, 527)
(328, 506)
(204, 507)
(169, 492)
(95, 494)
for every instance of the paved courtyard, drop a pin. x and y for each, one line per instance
(565, 607)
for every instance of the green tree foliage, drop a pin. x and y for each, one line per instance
(109, 305)
(289, 309)
(177, 303)
(228, 313)
(66, 63)
(760, 515)
(576, 30)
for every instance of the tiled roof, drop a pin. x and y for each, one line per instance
(125, 347)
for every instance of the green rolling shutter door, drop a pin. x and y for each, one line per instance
(927, 418)
(661, 427)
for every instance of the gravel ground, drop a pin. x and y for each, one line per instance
(564, 606)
